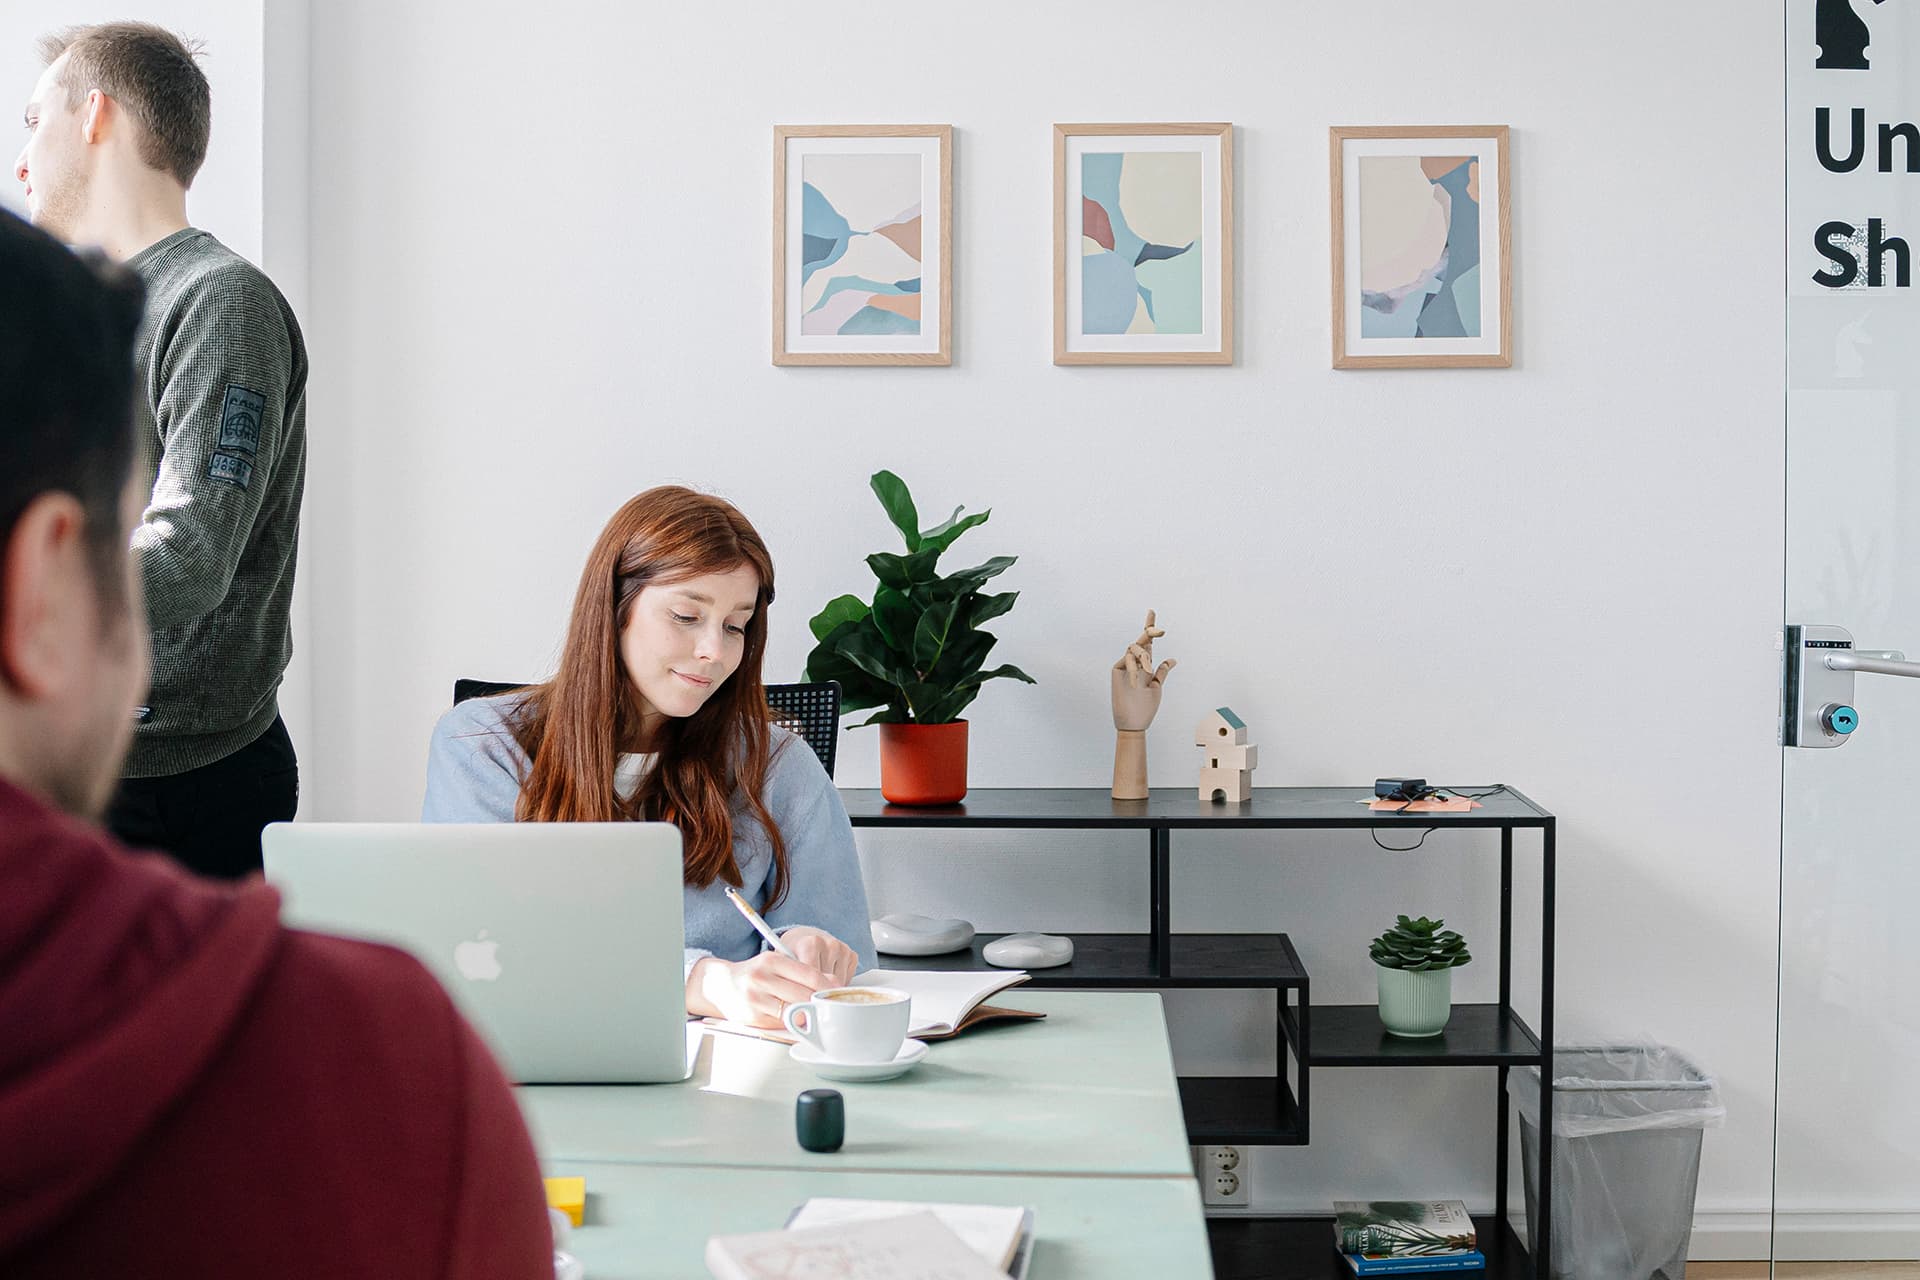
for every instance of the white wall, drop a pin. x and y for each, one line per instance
(540, 282)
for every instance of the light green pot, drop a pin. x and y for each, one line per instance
(1415, 1005)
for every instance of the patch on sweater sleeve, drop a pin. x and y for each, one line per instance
(240, 422)
(233, 469)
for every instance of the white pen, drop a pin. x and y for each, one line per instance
(759, 925)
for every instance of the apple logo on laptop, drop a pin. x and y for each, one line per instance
(478, 960)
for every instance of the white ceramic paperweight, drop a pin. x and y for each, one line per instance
(1028, 951)
(905, 934)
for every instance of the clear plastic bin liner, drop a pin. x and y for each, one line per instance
(1618, 1088)
(1627, 1124)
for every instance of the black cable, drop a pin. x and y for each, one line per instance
(1425, 794)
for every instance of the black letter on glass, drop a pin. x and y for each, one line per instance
(1823, 132)
(1907, 134)
(1837, 254)
(1877, 246)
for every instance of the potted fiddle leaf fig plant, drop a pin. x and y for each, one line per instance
(1415, 961)
(916, 652)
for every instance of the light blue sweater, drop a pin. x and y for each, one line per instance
(474, 770)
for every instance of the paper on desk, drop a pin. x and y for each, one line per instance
(1457, 804)
(991, 1230)
(914, 1247)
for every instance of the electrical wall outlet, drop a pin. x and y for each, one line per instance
(1223, 1176)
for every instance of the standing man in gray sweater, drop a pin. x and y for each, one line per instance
(116, 130)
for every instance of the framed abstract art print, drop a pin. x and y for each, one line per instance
(863, 244)
(1143, 244)
(1422, 271)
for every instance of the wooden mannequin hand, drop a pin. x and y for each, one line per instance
(1136, 684)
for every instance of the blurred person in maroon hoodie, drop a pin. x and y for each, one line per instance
(186, 1087)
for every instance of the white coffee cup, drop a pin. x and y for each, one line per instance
(853, 1024)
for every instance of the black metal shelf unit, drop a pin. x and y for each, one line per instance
(1274, 1110)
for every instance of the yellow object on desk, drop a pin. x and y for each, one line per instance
(569, 1196)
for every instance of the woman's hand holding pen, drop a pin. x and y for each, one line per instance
(824, 952)
(757, 991)
(754, 991)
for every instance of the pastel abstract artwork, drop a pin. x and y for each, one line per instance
(1140, 242)
(1422, 247)
(1419, 246)
(861, 259)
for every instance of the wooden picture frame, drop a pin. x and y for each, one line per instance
(1160, 292)
(855, 209)
(1401, 299)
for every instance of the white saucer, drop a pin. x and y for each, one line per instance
(911, 1051)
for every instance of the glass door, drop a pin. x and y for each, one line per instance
(1847, 1122)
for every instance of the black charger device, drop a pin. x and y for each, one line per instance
(1408, 789)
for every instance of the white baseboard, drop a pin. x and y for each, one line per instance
(1810, 1236)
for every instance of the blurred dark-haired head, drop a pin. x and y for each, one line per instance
(72, 646)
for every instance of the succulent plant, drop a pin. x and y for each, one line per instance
(1419, 945)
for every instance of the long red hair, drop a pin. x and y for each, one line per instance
(574, 727)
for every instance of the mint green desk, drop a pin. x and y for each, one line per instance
(644, 1223)
(1089, 1091)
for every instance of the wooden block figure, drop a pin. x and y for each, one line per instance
(1228, 759)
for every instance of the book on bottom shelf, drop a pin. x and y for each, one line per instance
(1417, 1264)
(1403, 1228)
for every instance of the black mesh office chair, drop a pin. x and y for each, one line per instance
(810, 710)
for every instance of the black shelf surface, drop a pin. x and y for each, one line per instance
(1094, 808)
(1236, 960)
(1478, 1035)
(1302, 1249)
(1243, 1110)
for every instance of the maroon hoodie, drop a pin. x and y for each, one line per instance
(189, 1089)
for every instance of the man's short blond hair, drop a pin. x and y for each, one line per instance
(151, 73)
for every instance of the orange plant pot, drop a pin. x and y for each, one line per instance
(923, 763)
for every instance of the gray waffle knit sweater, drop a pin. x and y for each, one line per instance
(222, 437)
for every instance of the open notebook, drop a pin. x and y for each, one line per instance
(945, 1003)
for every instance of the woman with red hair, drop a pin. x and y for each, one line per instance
(658, 713)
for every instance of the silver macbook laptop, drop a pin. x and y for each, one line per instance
(560, 941)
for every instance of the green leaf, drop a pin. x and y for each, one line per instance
(947, 708)
(972, 578)
(858, 690)
(867, 650)
(839, 609)
(966, 652)
(903, 573)
(1004, 671)
(930, 636)
(890, 569)
(893, 495)
(942, 537)
(894, 615)
(921, 698)
(887, 715)
(987, 608)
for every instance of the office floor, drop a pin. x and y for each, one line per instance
(1805, 1271)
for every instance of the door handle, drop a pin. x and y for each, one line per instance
(1878, 662)
(1816, 683)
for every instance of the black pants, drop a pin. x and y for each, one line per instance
(210, 818)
